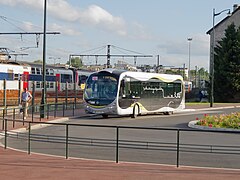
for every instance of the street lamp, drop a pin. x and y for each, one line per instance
(43, 99)
(212, 54)
(189, 53)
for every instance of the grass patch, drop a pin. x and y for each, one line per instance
(207, 104)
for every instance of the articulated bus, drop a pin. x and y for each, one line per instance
(120, 92)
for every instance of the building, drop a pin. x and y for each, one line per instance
(125, 66)
(4, 54)
(217, 32)
(219, 28)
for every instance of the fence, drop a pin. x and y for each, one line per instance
(35, 111)
(173, 148)
(10, 91)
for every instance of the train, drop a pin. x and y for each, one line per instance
(67, 78)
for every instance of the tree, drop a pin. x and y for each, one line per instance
(38, 61)
(75, 62)
(203, 74)
(227, 66)
(170, 71)
(236, 64)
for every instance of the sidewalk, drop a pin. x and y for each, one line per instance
(21, 166)
(16, 165)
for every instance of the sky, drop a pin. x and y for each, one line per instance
(133, 27)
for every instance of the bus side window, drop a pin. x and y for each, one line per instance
(122, 89)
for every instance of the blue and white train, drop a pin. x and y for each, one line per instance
(28, 72)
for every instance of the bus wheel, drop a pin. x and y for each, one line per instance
(168, 113)
(135, 111)
(105, 116)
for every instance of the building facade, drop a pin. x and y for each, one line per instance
(219, 28)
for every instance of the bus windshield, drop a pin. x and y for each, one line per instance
(101, 89)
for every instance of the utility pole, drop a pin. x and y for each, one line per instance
(135, 60)
(158, 64)
(158, 60)
(43, 99)
(196, 69)
(184, 70)
(108, 56)
(189, 60)
(211, 77)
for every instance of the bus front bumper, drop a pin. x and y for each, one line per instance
(106, 110)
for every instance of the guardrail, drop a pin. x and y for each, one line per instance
(118, 143)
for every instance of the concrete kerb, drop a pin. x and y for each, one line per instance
(39, 125)
(192, 124)
(216, 108)
(205, 109)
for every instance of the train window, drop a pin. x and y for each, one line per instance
(10, 74)
(16, 76)
(66, 78)
(33, 70)
(38, 71)
(51, 85)
(38, 84)
(82, 79)
(51, 72)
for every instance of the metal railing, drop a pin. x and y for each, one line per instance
(54, 110)
(117, 143)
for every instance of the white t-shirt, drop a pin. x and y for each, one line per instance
(26, 96)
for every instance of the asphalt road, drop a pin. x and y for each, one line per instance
(204, 149)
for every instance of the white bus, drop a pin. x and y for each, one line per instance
(120, 92)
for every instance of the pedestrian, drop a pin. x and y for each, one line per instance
(200, 96)
(26, 98)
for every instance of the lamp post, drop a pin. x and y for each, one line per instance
(212, 54)
(189, 59)
(184, 71)
(43, 99)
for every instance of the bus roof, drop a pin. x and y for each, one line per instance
(143, 76)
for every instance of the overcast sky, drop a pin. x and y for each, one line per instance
(152, 27)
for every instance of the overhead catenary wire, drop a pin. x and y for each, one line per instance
(112, 55)
(98, 48)
(24, 32)
(117, 48)
(6, 20)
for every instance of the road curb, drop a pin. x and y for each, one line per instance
(192, 124)
(39, 125)
(216, 108)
